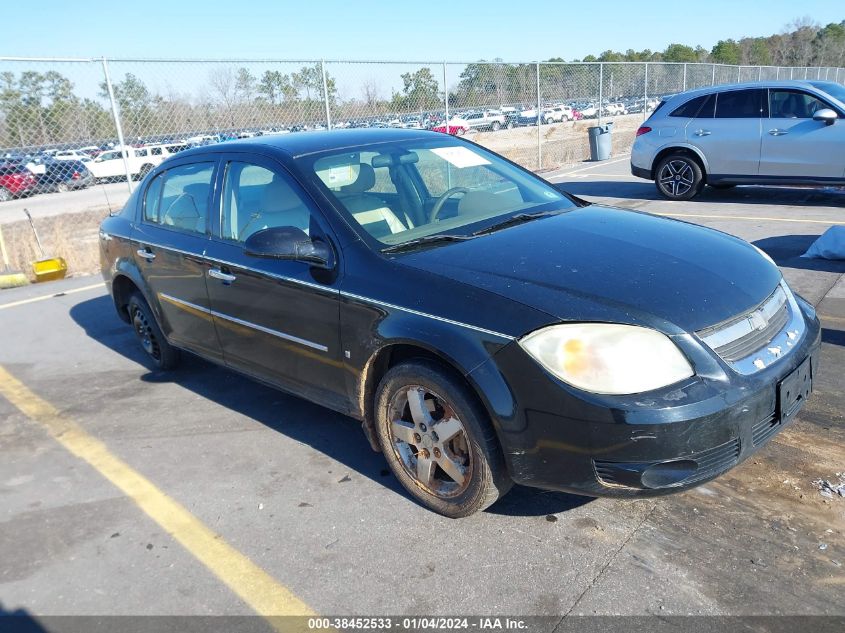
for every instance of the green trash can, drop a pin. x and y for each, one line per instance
(601, 141)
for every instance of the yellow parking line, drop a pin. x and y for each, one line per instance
(248, 581)
(12, 304)
(743, 217)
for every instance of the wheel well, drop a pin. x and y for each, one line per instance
(390, 356)
(121, 289)
(683, 151)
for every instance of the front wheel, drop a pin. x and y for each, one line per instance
(437, 440)
(152, 340)
(496, 126)
(5, 196)
(679, 177)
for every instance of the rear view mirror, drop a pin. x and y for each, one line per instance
(288, 242)
(826, 115)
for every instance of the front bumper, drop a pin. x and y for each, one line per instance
(556, 437)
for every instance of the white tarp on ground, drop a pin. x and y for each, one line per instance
(830, 245)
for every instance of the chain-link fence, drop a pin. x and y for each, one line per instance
(75, 134)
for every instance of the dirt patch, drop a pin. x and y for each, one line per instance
(72, 236)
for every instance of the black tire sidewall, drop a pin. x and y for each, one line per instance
(169, 355)
(698, 177)
(487, 463)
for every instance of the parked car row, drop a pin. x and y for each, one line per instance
(61, 175)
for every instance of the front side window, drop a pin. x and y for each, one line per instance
(435, 186)
(178, 198)
(256, 198)
(740, 104)
(793, 104)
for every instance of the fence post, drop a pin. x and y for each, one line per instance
(645, 93)
(446, 97)
(326, 95)
(116, 114)
(777, 73)
(713, 80)
(601, 91)
(685, 77)
(760, 74)
(539, 136)
(738, 74)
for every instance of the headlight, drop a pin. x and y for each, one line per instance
(607, 357)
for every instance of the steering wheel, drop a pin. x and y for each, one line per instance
(432, 216)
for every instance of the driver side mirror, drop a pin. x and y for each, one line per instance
(291, 243)
(826, 115)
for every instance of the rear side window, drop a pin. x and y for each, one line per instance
(700, 107)
(178, 198)
(793, 104)
(740, 104)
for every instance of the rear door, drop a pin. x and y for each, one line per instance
(169, 242)
(727, 130)
(277, 320)
(796, 146)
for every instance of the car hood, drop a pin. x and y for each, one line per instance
(604, 264)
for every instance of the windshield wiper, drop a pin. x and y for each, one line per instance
(426, 239)
(519, 218)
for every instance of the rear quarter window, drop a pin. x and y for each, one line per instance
(699, 107)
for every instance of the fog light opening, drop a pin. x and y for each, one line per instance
(668, 473)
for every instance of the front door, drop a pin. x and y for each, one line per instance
(169, 244)
(277, 320)
(796, 146)
(729, 137)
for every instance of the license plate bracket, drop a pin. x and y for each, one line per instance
(794, 390)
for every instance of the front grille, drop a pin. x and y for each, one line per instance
(762, 431)
(747, 333)
(714, 460)
(751, 342)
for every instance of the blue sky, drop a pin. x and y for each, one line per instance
(369, 29)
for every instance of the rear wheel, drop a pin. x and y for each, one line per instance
(152, 340)
(437, 440)
(62, 187)
(5, 195)
(679, 177)
(459, 132)
(496, 126)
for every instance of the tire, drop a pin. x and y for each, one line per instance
(162, 354)
(496, 126)
(471, 452)
(678, 177)
(145, 169)
(509, 125)
(459, 132)
(5, 195)
(62, 187)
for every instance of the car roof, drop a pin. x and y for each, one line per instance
(774, 83)
(298, 144)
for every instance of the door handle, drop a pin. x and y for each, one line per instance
(146, 254)
(702, 132)
(778, 132)
(216, 273)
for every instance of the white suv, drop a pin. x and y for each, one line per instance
(141, 160)
(557, 114)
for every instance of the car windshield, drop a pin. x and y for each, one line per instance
(834, 90)
(411, 189)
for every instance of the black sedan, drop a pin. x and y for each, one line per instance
(484, 326)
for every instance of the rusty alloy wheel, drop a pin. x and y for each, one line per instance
(430, 441)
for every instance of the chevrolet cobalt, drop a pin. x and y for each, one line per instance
(484, 326)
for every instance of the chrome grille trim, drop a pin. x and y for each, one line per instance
(756, 339)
